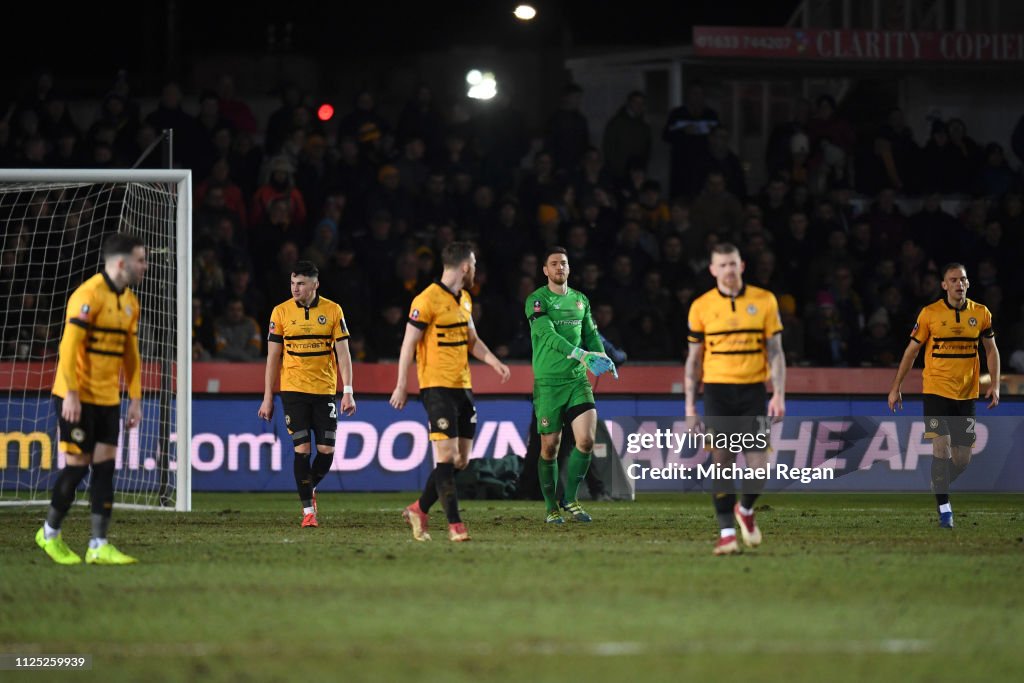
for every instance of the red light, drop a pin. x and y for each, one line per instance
(325, 112)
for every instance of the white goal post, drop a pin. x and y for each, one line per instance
(52, 225)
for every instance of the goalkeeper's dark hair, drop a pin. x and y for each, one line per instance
(456, 253)
(120, 244)
(306, 269)
(554, 250)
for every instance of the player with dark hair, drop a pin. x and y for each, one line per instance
(440, 335)
(950, 330)
(308, 331)
(735, 342)
(565, 345)
(100, 339)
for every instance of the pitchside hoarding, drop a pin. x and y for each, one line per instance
(381, 449)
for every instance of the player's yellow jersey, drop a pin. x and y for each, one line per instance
(101, 327)
(442, 354)
(309, 334)
(950, 336)
(734, 331)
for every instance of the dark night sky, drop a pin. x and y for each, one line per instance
(79, 40)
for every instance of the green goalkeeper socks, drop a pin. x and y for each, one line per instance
(579, 463)
(547, 472)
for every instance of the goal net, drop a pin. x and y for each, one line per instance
(52, 227)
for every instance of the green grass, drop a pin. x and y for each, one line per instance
(845, 587)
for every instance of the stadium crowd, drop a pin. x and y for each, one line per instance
(850, 230)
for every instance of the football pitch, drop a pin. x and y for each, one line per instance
(844, 588)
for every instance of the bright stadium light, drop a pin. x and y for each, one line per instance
(524, 12)
(482, 85)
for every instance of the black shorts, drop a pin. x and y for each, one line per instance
(97, 424)
(450, 413)
(736, 408)
(306, 414)
(949, 417)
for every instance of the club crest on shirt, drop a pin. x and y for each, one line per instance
(128, 311)
(579, 305)
(751, 309)
(415, 315)
(973, 322)
(322, 319)
(465, 304)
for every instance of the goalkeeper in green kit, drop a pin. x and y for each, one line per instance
(565, 346)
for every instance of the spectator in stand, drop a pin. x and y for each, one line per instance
(777, 155)
(567, 133)
(718, 158)
(169, 114)
(686, 131)
(280, 120)
(364, 120)
(421, 119)
(627, 137)
(539, 185)
(827, 335)
(501, 137)
(888, 223)
(280, 185)
(202, 331)
(315, 175)
(234, 201)
(826, 124)
(236, 111)
(238, 335)
(411, 166)
(940, 162)
(716, 209)
(650, 340)
(345, 277)
(793, 331)
(656, 214)
(894, 158)
(995, 177)
(969, 156)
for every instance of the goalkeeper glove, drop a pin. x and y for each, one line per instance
(596, 363)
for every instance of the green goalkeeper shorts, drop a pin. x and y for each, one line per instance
(552, 400)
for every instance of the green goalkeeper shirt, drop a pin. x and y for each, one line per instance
(558, 324)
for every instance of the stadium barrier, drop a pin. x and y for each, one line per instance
(381, 449)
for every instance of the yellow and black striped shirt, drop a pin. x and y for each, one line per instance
(309, 334)
(734, 331)
(442, 354)
(950, 336)
(100, 336)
